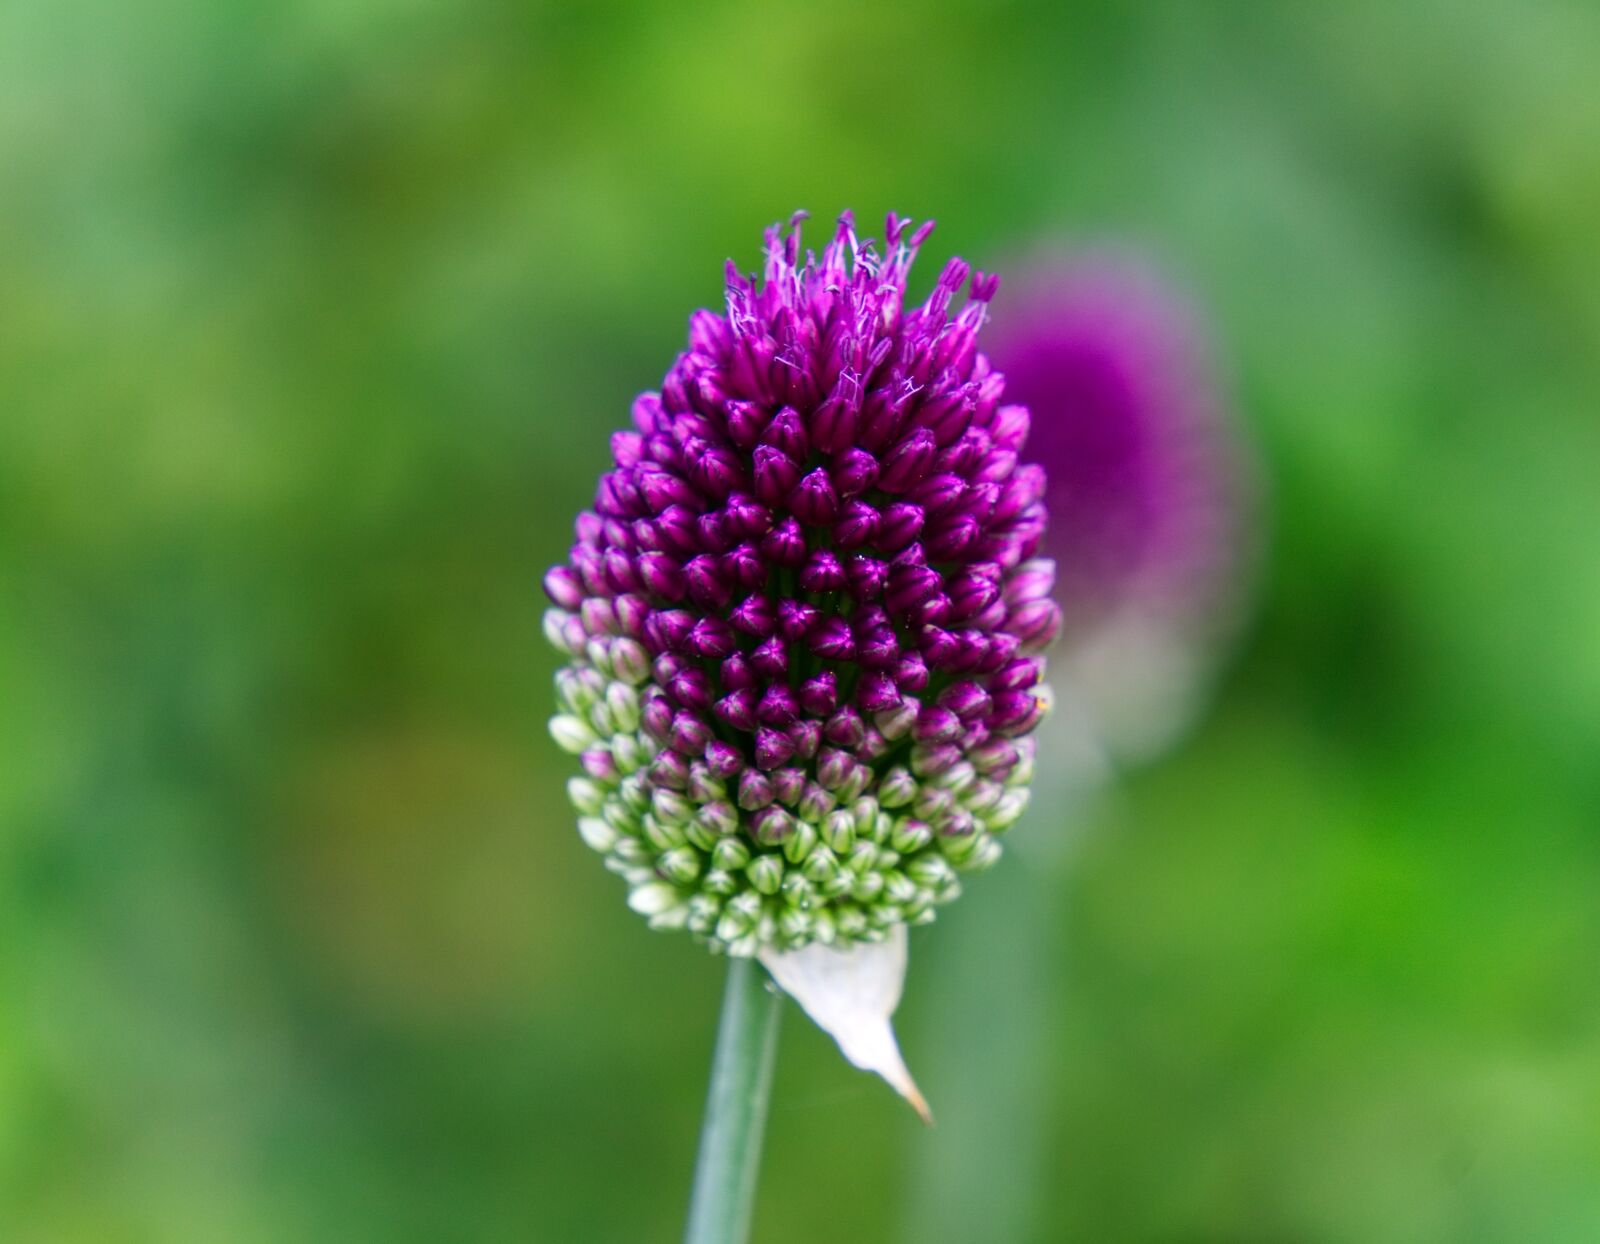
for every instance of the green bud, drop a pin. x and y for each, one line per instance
(571, 734)
(663, 835)
(621, 817)
(984, 855)
(887, 859)
(981, 796)
(703, 913)
(746, 908)
(1022, 775)
(862, 857)
(899, 888)
(1005, 812)
(957, 777)
(867, 887)
(800, 841)
(730, 854)
(798, 890)
(851, 920)
(573, 692)
(854, 784)
(815, 803)
(587, 795)
(930, 870)
(896, 723)
(632, 852)
(623, 703)
(931, 803)
(884, 915)
(629, 661)
(635, 790)
(821, 865)
(680, 865)
(598, 654)
(717, 881)
(600, 720)
(957, 848)
(596, 834)
(765, 873)
(910, 835)
(671, 807)
(653, 898)
(898, 788)
(839, 830)
(823, 928)
(554, 623)
(794, 925)
(718, 817)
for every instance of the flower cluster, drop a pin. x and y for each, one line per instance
(801, 620)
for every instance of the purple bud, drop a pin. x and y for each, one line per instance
(738, 709)
(773, 748)
(854, 472)
(599, 764)
(771, 658)
(787, 783)
(564, 587)
(866, 576)
(796, 618)
(755, 790)
(708, 586)
(778, 706)
(833, 767)
(844, 728)
(911, 673)
(1011, 708)
(806, 735)
(747, 516)
(661, 576)
(953, 537)
(813, 499)
(878, 649)
(857, 525)
(723, 759)
(832, 640)
(736, 674)
(1031, 581)
(691, 687)
(689, 735)
(966, 699)
(785, 543)
(598, 617)
(776, 475)
(819, 696)
(907, 462)
(746, 566)
(1035, 623)
(908, 586)
(833, 426)
(746, 421)
(711, 637)
(754, 616)
(901, 523)
(876, 692)
(822, 573)
(939, 647)
(632, 611)
(788, 433)
(1018, 675)
(938, 493)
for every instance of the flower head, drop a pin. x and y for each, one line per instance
(1147, 484)
(802, 617)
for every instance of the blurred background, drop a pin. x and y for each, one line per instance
(314, 321)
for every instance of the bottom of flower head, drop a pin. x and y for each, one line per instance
(825, 849)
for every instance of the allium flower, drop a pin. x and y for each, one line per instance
(1147, 484)
(801, 618)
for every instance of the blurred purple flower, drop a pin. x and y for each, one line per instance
(1148, 492)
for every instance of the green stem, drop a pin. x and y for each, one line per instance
(736, 1108)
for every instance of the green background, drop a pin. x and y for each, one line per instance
(314, 320)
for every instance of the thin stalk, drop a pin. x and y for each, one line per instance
(736, 1109)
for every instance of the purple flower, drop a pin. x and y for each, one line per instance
(1147, 487)
(817, 540)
